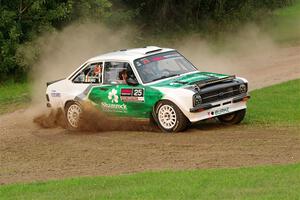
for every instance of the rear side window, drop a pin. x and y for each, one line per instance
(92, 73)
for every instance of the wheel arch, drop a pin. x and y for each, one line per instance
(66, 103)
(180, 103)
(181, 97)
(181, 120)
(166, 99)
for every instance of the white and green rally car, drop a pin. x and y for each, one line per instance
(151, 82)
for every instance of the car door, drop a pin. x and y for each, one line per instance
(116, 96)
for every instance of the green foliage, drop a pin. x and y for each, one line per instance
(275, 105)
(13, 96)
(273, 182)
(23, 20)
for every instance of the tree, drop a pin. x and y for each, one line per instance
(24, 20)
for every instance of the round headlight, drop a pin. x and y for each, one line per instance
(243, 88)
(197, 99)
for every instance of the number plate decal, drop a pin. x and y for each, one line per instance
(222, 111)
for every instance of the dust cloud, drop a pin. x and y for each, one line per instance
(64, 51)
(52, 119)
(246, 53)
(92, 120)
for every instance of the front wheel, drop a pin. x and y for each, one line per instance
(73, 112)
(170, 118)
(232, 118)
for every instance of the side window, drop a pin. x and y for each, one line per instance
(92, 73)
(117, 72)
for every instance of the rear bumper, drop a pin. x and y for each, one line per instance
(207, 111)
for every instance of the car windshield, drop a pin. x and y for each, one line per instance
(162, 65)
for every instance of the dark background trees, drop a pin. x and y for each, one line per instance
(197, 13)
(24, 20)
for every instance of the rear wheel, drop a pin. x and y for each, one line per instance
(73, 112)
(232, 118)
(170, 118)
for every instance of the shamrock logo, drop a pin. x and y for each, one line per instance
(112, 95)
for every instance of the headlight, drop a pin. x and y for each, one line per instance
(197, 100)
(243, 88)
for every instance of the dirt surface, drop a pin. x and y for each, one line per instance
(29, 153)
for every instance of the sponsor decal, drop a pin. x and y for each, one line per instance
(132, 95)
(112, 95)
(126, 92)
(133, 99)
(118, 106)
(158, 58)
(55, 94)
(145, 61)
(114, 107)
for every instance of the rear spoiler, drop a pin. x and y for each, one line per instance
(51, 82)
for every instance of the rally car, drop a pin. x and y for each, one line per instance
(152, 83)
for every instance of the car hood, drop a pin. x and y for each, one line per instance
(199, 78)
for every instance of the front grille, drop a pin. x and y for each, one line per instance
(220, 94)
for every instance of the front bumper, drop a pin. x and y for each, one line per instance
(208, 106)
(211, 110)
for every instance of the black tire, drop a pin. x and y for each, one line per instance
(172, 119)
(232, 118)
(70, 105)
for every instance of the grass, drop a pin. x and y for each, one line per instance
(274, 182)
(284, 26)
(275, 105)
(13, 96)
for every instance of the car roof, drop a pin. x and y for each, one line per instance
(130, 54)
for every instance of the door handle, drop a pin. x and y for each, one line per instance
(104, 89)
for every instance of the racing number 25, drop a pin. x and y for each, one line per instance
(138, 92)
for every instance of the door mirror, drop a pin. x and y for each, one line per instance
(132, 82)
